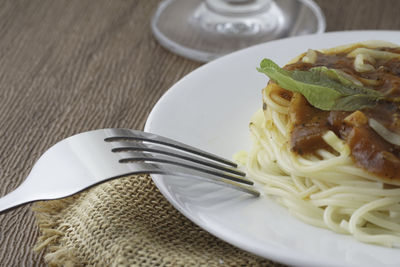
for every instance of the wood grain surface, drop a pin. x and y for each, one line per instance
(71, 66)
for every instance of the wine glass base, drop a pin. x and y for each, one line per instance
(196, 30)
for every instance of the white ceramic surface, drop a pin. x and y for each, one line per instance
(210, 108)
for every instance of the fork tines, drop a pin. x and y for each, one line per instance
(176, 158)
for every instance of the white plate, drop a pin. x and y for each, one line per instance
(210, 108)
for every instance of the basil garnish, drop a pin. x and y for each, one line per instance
(323, 88)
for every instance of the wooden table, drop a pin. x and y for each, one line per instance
(71, 66)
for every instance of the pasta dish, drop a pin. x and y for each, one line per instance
(327, 139)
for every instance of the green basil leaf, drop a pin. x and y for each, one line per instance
(323, 88)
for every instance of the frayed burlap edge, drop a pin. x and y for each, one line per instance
(48, 215)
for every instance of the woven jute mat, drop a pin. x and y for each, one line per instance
(127, 222)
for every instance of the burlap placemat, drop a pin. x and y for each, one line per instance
(127, 222)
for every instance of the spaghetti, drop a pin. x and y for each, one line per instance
(326, 186)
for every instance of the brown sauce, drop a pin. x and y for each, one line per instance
(369, 150)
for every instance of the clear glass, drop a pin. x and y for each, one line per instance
(203, 30)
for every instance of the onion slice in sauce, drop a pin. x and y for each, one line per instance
(389, 136)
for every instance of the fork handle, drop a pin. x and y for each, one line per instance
(14, 199)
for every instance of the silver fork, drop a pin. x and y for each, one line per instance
(89, 158)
